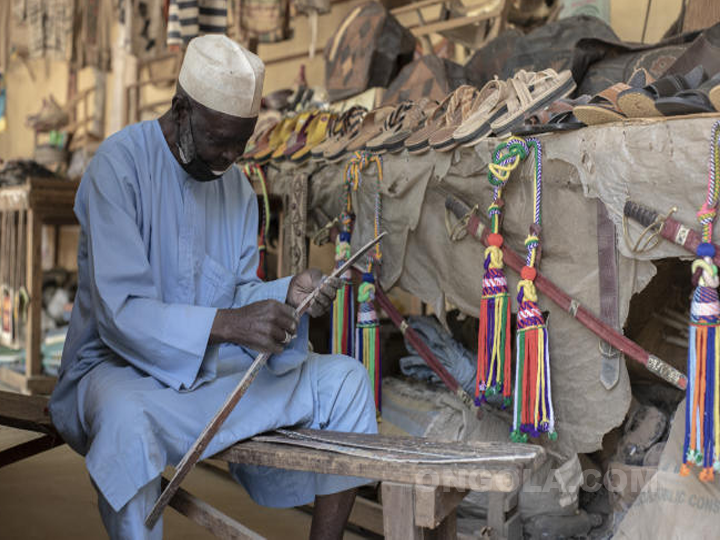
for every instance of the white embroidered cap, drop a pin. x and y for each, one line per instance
(222, 75)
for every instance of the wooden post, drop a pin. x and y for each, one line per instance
(503, 517)
(399, 512)
(33, 279)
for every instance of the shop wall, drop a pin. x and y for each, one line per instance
(27, 83)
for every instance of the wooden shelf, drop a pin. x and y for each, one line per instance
(45, 202)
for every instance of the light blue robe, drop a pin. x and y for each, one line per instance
(159, 253)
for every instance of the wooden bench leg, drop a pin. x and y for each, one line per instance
(503, 516)
(420, 512)
(398, 502)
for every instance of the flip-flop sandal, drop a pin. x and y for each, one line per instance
(414, 120)
(301, 120)
(689, 101)
(315, 135)
(371, 127)
(393, 123)
(261, 135)
(557, 117)
(442, 139)
(337, 150)
(335, 130)
(280, 134)
(259, 143)
(417, 143)
(603, 107)
(490, 106)
(530, 92)
(350, 119)
(301, 137)
(640, 102)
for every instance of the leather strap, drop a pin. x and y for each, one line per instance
(608, 267)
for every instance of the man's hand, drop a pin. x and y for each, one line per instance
(266, 326)
(305, 283)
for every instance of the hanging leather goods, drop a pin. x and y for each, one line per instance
(702, 416)
(477, 229)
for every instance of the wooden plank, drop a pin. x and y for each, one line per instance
(503, 478)
(209, 517)
(29, 449)
(40, 384)
(13, 379)
(33, 280)
(450, 24)
(434, 504)
(415, 5)
(504, 453)
(398, 510)
(25, 412)
(503, 517)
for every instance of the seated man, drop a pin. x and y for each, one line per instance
(169, 312)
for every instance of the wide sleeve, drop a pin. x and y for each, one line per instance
(168, 341)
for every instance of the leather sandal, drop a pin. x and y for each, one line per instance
(489, 107)
(529, 92)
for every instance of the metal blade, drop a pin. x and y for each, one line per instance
(359, 253)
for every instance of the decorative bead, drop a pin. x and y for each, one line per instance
(528, 273)
(705, 250)
(495, 239)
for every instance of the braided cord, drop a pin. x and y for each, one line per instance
(532, 242)
(506, 158)
(708, 211)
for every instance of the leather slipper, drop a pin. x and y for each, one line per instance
(603, 107)
(640, 102)
(689, 101)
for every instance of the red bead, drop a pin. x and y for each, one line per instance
(528, 272)
(494, 239)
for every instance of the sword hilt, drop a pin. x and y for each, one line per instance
(642, 214)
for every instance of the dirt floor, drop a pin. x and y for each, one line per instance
(50, 496)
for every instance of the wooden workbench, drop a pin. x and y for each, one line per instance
(43, 202)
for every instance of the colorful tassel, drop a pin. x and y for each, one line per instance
(494, 362)
(533, 410)
(343, 315)
(367, 336)
(702, 412)
(367, 339)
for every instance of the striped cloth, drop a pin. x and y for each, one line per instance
(191, 18)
